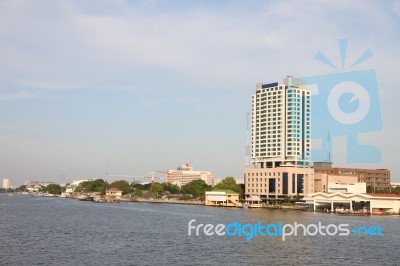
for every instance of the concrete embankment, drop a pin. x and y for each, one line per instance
(170, 201)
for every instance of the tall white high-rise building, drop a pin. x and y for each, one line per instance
(280, 142)
(6, 183)
(281, 125)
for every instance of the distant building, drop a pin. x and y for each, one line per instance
(185, 174)
(321, 181)
(222, 198)
(35, 186)
(71, 187)
(278, 183)
(281, 125)
(29, 184)
(6, 183)
(395, 184)
(347, 188)
(374, 178)
(114, 193)
(280, 141)
(371, 203)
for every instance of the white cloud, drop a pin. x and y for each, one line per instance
(50, 85)
(23, 95)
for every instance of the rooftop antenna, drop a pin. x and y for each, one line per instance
(329, 147)
(106, 170)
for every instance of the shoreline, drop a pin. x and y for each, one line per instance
(182, 202)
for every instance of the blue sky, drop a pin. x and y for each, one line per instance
(149, 85)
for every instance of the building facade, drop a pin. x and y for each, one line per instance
(6, 183)
(185, 174)
(280, 141)
(322, 181)
(369, 203)
(357, 187)
(376, 179)
(281, 125)
(278, 182)
(222, 198)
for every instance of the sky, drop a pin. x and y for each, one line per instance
(89, 88)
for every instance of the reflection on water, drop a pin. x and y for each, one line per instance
(50, 231)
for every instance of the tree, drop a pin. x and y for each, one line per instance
(171, 188)
(98, 185)
(229, 183)
(122, 185)
(53, 189)
(156, 190)
(197, 188)
(140, 186)
(22, 188)
(185, 197)
(137, 193)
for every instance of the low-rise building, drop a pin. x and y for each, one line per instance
(321, 181)
(185, 174)
(388, 203)
(71, 187)
(395, 184)
(222, 198)
(357, 187)
(114, 193)
(378, 179)
(279, 182)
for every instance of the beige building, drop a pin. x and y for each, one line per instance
(278, 183)
(185, 174)
(6, 183)
(222, 198)
(321, 181)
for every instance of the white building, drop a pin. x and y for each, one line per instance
(185, 174)
(281, 124)
(395, 184)
(347, 188)
(71, 187)
(280, 141)
(6, 183)
(387, 203)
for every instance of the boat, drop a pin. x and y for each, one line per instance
(85, 198)
(99, 200)
(377, 212)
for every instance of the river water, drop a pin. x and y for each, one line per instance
(54, 231)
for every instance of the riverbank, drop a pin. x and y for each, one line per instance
(168, 201)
